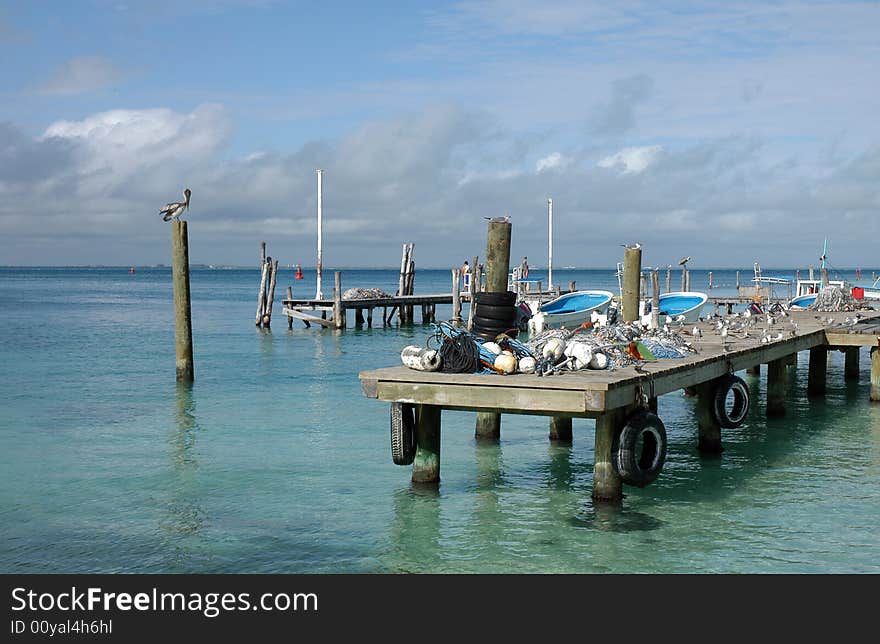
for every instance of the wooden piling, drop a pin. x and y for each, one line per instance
(359, 317)
(183, 348)
(607, 486)
(776, 385)
(643, 286)
(560, 429)
(338, 311)
(261, 296)
(270, 296)
(875, 374)
(370, 317)
(456, 298)
(572, 287)
(632, 265)
(655, 300)
(426, 464)
(668, 279)
(709, 441)
(488, 424)
(851, 363)
(289, 297)
(737, 281)
(817, 371)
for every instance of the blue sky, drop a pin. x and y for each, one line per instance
(731, 132)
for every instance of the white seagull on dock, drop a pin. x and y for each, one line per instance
(174, 210)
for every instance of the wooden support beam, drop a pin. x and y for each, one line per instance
(289, 318)
(632, 266)
(851, 363)
(817, 371)
(607, 486)
(338, 310)
(709, 430)
(456, 297)
(875, 374)
(183, 346)
(497, 256)
(488, 427)
(370, 318)
(426, 464)
(776, 386)
(560, 429)
(359, 316)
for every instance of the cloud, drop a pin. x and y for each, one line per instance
(617, 115)
(552, 161)
(631, 160)
(81, 75)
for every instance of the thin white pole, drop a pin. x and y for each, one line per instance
(550, 249)
(319, 295)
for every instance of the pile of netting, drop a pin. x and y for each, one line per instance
(364, 294)
(833, 299)
(454, 350)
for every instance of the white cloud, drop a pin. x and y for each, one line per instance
(552, 161)
(79, 75)
(631, 160)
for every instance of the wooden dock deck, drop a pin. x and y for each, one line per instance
(611, 396)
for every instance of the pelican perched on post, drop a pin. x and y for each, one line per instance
(684, 260)
(174, 210)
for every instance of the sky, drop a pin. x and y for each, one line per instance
(732, 132)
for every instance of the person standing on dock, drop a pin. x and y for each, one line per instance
(524, 268)
(465, 275)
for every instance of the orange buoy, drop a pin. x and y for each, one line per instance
(299, 272)
(131, 270)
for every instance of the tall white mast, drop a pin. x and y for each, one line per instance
(550, 244)
(319, 295)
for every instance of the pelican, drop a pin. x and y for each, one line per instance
(174, 210)
(684, 260)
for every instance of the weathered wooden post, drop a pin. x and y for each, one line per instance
(776, 384)
(426, 463)
(488, 425)
(643, 286)
(632, 266)
(270, 296)
(851, 363)
(687, 279)
(668, 278)
(817, 371)
(607, 485)
(456, 298)
(572, 287)
(875, 374)
(338, 310)
(183, 348)
(812, 273)
(560, 429)
(261, 296)
(289, 297)
(655, 300)
(709, 430)
(737, 282)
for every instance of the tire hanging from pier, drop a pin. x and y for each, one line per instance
(639, 467)
(403, 444)
(737, 414)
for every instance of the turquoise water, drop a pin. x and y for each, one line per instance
(274, 462)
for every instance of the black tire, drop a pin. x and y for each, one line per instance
(736, 415)
(507, 298)
(639, 449)
(403, 441)
(492, 312)
(487, 323)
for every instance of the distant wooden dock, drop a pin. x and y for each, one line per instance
(611, 396)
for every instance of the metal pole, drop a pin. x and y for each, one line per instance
(319, 295)
(550, 246)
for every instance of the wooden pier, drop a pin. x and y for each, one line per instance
(611, 396)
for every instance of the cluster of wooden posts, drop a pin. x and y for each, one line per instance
(267, 289)
(407, 281)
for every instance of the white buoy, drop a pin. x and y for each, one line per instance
(599, 361)
(506, 362)
(553, 348)
(492, 347)
(420, 358)
(527, 365)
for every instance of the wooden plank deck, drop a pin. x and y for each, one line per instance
(590, 393)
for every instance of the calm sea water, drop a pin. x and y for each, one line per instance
(274, 461)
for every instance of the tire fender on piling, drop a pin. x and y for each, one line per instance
(640, 467)
(737, 415)
(403, 444)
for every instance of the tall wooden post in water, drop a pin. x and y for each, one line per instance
(497, 266)
(632, 267)
(183, 348)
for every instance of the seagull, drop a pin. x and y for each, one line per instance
(697, 333)
(174, 210)
(684, 260)
(499, 220)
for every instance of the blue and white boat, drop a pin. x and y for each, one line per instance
(570, 310)
(678, 306)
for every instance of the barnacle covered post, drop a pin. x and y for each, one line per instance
(875, 374)
(632, 268)
(776, 384)
(851, 363)
(607, 484)
(818, 370)
(426, 463)
(183, 347)
(709, 431)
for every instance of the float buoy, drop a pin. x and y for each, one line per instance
(299, 272)
(639, 449)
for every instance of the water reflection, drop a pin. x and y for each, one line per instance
(612, 517)
(185, 516)
(415, 529)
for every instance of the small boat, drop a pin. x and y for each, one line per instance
(570, 310)
(678, 306)
(807, 291)
(803, 301)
